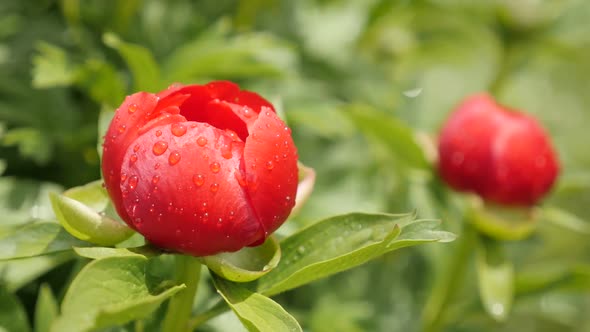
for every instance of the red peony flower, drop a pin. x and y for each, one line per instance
(502, 155)
(200, 169)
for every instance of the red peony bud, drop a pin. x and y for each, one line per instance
(502, 155)
(200, 169)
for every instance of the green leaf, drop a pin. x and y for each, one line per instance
(343, 242)
(46, 309)
(51, 67)
(141, 62)
(102, 252)
(31, 142)
(397, 137)
(256, 311)
(14, 274)
(213, 54)
(250, 263)
(495, 279)
(85, 223)
(104, 121)
(565, 220)
(111, 291)
(23, 200)
(36, 239)
(12, 313)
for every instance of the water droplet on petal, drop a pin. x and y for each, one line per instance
(247, 112)
(123, 177)
(178, 129)
(226, 151)
(132, 108)
(158, 133)
(270, 165)
(214, 187)
(204, 206)
(133, 182)
(136, 148)
(198, 179)
(232, 215)
(122, 128)
(174, 158)
(205, 216)
(159, 148)
(155, 179)
(178, 233)
(201, 141)
(215, 167)
(240, 178)
(157, 165)
(133, 158)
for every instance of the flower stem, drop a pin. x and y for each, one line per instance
(451, 279)
(188, 272)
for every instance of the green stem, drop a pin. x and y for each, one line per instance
(188, 272)
(451, 279)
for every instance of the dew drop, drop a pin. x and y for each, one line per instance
(204, 206)
(159, 148)
(155, 179)
(133, 182)
(240, 178)
(215, 167)
(132, 108)
(205, 216)
(247, 112)
(122, 128)
(220, 220)
(133, 158)
(123, 177)
(178, 233)
(214, 188)
(198, 179)
(232, 215)
(178, 129)
(201, 141)
(136, 148)
(226, 151)
(270, 165)
(174, 158)
(158, 133)
(152, 208)
(232, 134)
(157, 165)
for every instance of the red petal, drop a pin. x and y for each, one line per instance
(270, 163)
(120, 135)
(195, 203)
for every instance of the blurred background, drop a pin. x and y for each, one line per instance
(365, 85)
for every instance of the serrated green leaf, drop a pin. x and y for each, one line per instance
(141, 62)
(87, 224)
(111, 291)
(36, 239)
(248, 264)
(343, 242)
(257, 312)
(495, 279)
(394, 135)
(46, 309)
(12, 313)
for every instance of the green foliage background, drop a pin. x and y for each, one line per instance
(365, 85)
